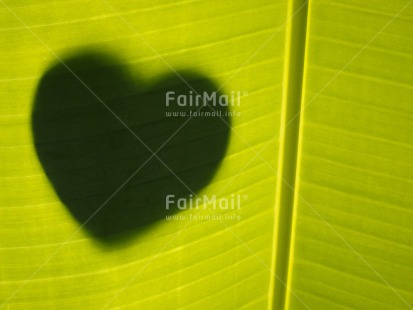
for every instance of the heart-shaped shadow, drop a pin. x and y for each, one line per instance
(88, 153)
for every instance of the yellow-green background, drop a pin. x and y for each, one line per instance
(352, 232)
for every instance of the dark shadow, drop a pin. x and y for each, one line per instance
(87, 153)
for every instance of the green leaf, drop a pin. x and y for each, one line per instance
(47, 260)
(352, 233)
(320, 154)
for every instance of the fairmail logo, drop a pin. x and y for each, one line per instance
(233, 202)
